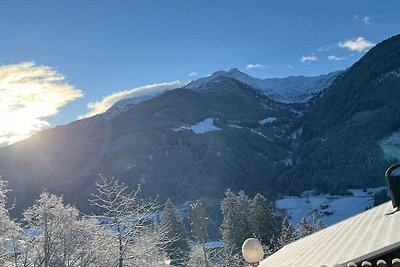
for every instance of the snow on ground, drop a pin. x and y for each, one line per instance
(204, 126)
(267, 120)
(258, 133)
(214, 244)
(235, 126)
(287, 90)
(208, 245)
(330, 209)
(391, 145)
(298, 113)
(288, 161)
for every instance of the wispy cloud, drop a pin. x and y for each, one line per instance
(29, 94)
(193, 74)
(324, 48)
(367, 20)
(359, 44)
(142, 91)
(254, 66)
(290, 66)
(335, 58)
(308, 58)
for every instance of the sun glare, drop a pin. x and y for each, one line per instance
(29, 94)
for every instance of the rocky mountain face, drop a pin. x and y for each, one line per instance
(228, 130)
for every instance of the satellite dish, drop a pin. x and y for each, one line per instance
(392, 175)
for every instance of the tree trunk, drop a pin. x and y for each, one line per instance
(121, 248)
(205, 254)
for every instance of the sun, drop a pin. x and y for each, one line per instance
(28, 95)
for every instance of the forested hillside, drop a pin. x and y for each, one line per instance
(196, 142)
(339, 147)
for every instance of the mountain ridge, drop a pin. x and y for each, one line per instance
(169, 143)
(290, 89)
(269, 86)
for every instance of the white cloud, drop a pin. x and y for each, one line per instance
(324, 48)
(308, 58)
(193, 74)
(335, 58)
(367, 20)
(359, 44)
(290, 66)
(142, 91)
(29, 94)
(254, 66)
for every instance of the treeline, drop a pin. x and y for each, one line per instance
(128, 231)
(244, 217)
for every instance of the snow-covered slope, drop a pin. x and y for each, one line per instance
(204, 126)
(287, 90)
(330, 209)
(391, 145)
(125, 104)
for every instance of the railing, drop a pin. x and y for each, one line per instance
(379, 263)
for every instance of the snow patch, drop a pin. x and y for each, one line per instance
(235, 126)
(204, 126)
(258, 133)
(296, 112)
(182, 128)
(267, 120)
(391, 145)
(288, 161)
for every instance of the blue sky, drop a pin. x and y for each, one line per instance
(103, 47)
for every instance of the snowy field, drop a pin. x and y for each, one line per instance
(330, 209)
(201, 127)
(391, 144)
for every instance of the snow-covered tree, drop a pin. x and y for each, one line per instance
(199, 222)
(178, 249)
(135, 241)
(264, 217)
(238, 222)
(59, 236)
(10, 232)
(197, 259)
(318, 225)
(305, 228)
(288, 233)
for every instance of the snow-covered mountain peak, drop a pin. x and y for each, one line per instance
(288, 90)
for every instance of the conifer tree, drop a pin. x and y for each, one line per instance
(265, 223)
(238, 222)
(178, 247)
(305, 228)
(318, 225)
(287, 233)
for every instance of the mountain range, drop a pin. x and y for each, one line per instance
(226, 130)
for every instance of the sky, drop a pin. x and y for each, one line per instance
(65, 60)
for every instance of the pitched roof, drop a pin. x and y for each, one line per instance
(360, 237)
